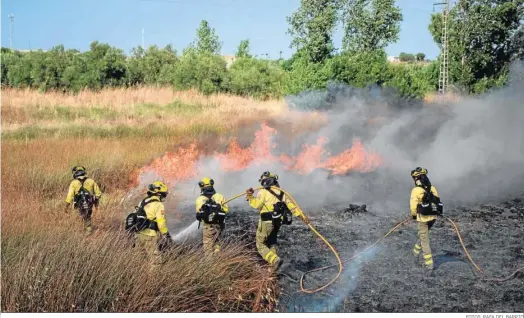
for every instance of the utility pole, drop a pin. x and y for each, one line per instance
(443, 79)
(11, 25)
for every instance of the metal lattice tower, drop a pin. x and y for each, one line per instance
(443, 79)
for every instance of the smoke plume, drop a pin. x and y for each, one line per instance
(473, 149)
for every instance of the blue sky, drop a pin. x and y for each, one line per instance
(76, 23)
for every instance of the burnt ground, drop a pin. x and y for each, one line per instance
(387, 279)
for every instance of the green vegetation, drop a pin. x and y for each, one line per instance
(485, 36)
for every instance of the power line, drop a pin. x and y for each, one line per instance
(11, 26)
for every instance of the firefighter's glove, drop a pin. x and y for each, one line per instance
(199, 216)
(95, 202)
(414, 217)
(249, 194)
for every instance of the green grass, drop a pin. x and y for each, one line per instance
(175, 108)
(117, 131)
(65, 113)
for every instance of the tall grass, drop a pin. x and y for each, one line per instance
(49, 265)
(123, 113)
(55, 269)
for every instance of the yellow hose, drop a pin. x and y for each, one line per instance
(340, 262)
(352, 257)
(486, 276)
(290, 197)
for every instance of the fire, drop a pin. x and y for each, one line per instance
(308, 160)
(238, 159)
(182, 164)
(355, 158)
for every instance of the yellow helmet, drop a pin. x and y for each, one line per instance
(206, 182)
(418, 172)
(158, 187)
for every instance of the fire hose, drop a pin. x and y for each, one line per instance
(308, 291)
(484, 275)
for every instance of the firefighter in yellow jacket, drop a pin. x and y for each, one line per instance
(274, 208)
(85, 194)
(211, 209)
(154, 234)
(425, 206)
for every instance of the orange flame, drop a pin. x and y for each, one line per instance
(259, 152)
(182, 164)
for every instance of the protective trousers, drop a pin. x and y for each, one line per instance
(266, 239)
(86, 217)
(148, 245)
(211, 237)
(423, 243)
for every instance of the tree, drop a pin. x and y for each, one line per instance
(370, 24)
(360, 69)
(206, 40)
(243, 49)
(480, 36)
(311, 28)
(518, 44)
(420, 57)
(258, 78)
(205, 72)
(405, 57)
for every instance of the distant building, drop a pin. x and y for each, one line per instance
(393, 59)
(229, 59)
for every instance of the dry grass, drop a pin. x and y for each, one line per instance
(124, 113)
(48, 265)
(121, 98)
(137, 107)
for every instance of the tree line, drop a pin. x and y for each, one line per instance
(485, 36)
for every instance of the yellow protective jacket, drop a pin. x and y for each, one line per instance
(264, 201)
(416, 197)
(155, 212)
(217, 197)
(89, 184)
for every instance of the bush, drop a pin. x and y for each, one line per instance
(258, 78)
(360, 69)
(205, 72)
(305, 75)
(411, 80)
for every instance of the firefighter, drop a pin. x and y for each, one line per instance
(155, 235)
(211, 209)
(272, 215)
(85, 194)
(423, 191)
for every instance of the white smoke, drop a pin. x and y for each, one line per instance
(473, 149)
